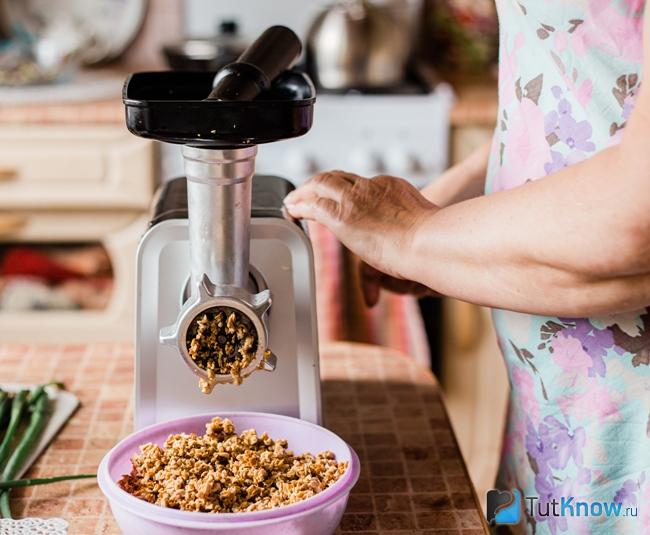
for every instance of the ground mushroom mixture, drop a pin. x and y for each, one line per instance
(223, 472)
(221, 341)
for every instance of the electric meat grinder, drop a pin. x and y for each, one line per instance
(218, 241)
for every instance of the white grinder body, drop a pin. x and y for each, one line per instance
(281, 254)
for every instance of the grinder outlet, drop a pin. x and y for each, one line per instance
(209, 300)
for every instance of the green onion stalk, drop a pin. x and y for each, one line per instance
(5, 407)
(17, 483)
(17, 408)
(11, 462)
(26, 445)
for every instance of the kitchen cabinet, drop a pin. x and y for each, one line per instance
(69, 185)
(118, 233)
(51, 167)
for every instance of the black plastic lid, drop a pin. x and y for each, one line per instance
(171, 107)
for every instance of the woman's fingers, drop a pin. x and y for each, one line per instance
(370, 284)
(373, 281)
(313, 208)
(319, 198)
(331, 185)
(401, 286)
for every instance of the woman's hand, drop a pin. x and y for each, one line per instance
(375, 218)
(372, 281)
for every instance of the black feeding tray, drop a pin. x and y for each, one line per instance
(171, 106)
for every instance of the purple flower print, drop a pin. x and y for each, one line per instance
(559, 162)
(574, 134)
(595, 342)
(550, 447)
(564, 108)
(628, 106)
(549, 490)
(562, 128)
(553, 444)
(627, 493)
(556, 164)
(551, 122)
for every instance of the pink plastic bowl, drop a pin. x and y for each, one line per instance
(319, 515)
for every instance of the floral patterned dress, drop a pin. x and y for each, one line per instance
(578, 417)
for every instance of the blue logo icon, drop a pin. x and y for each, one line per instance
(503, 507)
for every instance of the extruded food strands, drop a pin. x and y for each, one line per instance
(222, 341)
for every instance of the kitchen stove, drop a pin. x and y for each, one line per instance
(402, 132)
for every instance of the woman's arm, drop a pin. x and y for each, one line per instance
(574, 243)
(463, 181)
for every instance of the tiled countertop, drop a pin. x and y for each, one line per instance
(413, 480)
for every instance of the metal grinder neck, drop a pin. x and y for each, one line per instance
(219, 189)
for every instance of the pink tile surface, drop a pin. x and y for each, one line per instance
(388, 407)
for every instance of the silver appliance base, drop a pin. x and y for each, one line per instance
(165, 388)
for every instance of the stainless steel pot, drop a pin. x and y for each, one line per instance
(357, 44)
